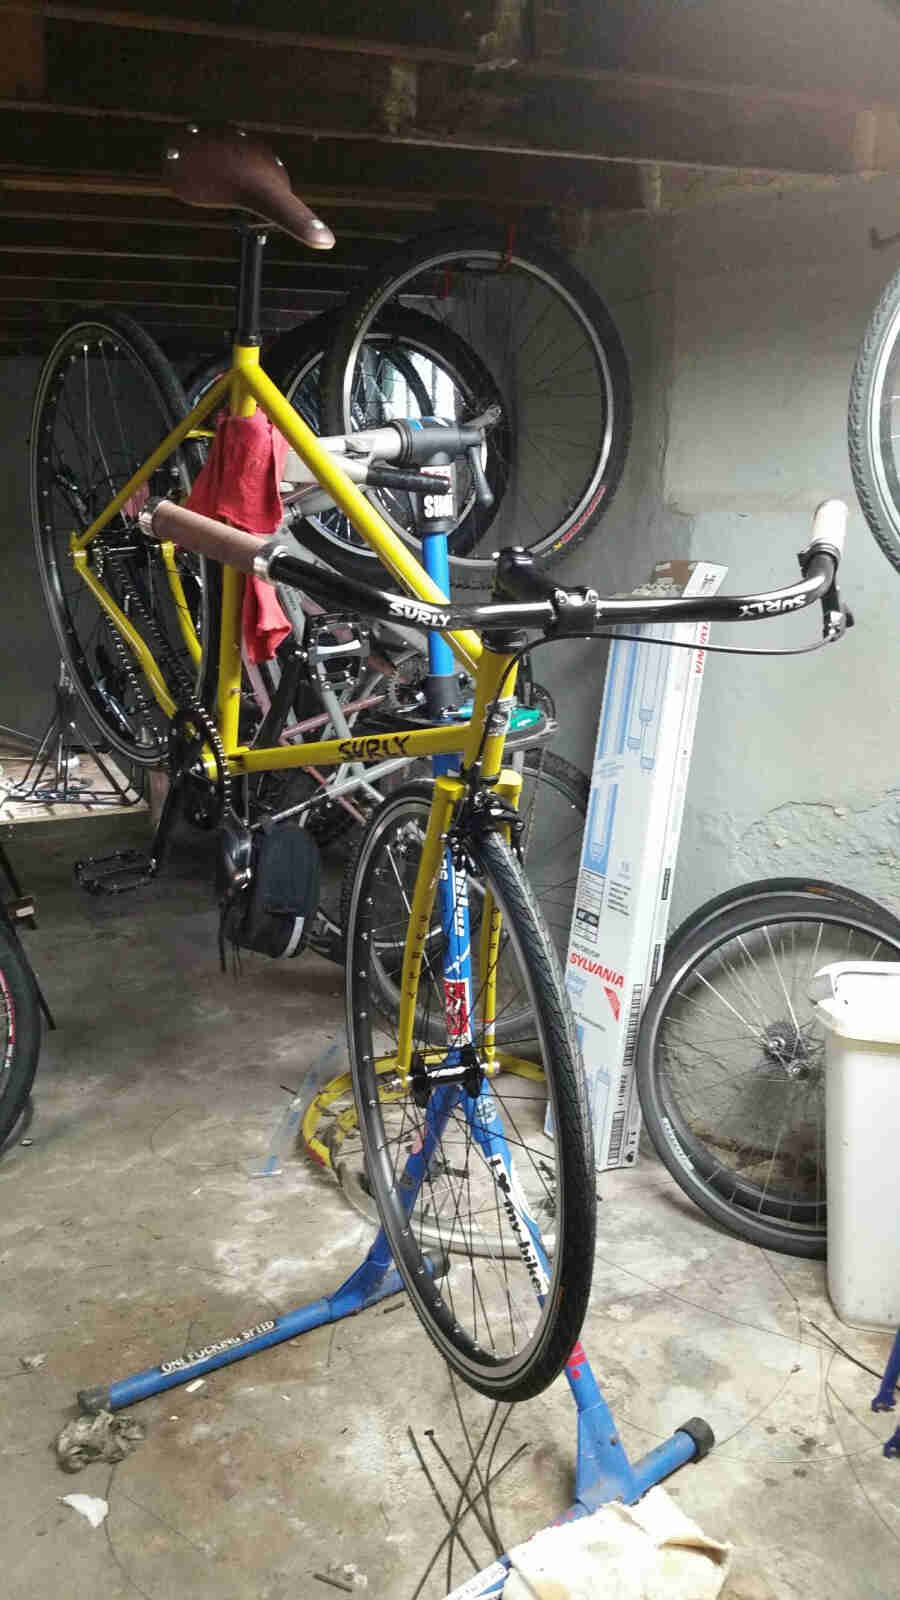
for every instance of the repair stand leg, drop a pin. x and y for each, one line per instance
(602, 1469)
(375, 1279)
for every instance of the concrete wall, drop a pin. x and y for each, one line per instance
(742, 319)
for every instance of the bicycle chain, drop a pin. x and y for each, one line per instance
(120, 650)
(189, 707)
(194, 712)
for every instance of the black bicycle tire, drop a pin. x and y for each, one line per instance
(745, 1214)
(566, 1304)
(299, 346)
(878, 496)
(174, 406)
(17, 980)
(362, 307)
(739, 893)
(573, 784)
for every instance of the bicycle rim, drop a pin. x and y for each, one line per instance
(557, 364)
(484, 1315)
(410, 366)
(731, 1062)
(105, 399)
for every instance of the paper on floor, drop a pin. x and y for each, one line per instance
(650, 1551)
(89, 1505)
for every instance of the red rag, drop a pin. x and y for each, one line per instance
(239, 484)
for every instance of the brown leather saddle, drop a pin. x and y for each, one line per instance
(225, 167)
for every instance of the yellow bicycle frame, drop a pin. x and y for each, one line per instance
(246, 386)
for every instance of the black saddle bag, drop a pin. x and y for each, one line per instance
(268, 883)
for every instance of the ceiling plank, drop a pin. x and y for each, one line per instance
(23, 66)
(332, 97)
(122, 142)
(107, 291)
(545, 67)
(116, 240)
(61, 205)
(58, 268)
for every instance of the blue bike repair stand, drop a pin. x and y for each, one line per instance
(885, 1399)
(602, 1469)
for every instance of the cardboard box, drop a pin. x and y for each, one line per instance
(621, 912)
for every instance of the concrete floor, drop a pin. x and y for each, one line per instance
(130, 1229)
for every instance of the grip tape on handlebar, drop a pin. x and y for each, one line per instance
(829, 529)
(208, 537)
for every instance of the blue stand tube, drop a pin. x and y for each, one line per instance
(885, 1399)
(375, 1279)
(602, 1469)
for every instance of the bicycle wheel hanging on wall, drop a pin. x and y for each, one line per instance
(106, 398)
(731, 1059)
(550, 351)
(873, 423)
(411, 366)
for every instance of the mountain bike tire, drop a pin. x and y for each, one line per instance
(106, 397)
(551, 351)
(731, 1060)
(484, 1316)
(873, 423)
(20, 1030)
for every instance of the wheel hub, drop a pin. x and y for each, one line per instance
(467, 1071)
(792, 1048)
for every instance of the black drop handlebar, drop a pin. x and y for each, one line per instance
(526, 598)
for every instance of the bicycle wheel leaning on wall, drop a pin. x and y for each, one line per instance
(731, 1057)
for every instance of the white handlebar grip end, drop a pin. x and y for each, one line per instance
(830, 524)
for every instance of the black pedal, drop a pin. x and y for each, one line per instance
(116, 873)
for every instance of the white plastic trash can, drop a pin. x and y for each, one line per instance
(859, 1004)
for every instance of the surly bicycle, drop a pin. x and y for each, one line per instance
(459, 1027)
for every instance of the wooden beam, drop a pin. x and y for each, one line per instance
(333, 97)
(69, 182)
(116, 240)
(60, 267)
(36, 314)
(135, 295)
(546, 67)
(124, 143)
(23, 65)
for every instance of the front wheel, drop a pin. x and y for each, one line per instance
(731, 1059)
(466, 1164)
